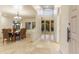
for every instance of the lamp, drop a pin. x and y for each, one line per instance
(18, 17)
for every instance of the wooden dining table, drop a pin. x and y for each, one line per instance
(10, 36)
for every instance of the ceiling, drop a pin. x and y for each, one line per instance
(26, 11)
(10, 11)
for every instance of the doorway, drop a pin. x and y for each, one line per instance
(47, 29)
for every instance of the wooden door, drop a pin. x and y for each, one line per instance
(74, 29)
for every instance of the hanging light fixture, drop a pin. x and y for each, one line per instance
(17, 8)
(18, 17)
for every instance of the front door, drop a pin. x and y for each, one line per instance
(47, 28)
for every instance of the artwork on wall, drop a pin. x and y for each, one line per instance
(30, 25)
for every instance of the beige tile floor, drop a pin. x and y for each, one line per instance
(29, 46)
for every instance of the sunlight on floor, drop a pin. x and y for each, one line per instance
(47, 37)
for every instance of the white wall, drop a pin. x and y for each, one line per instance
(56, 23)
(38, 28)
(64, 17)
(31, 31)
(7, 23)
(34, 33)
(27, 20)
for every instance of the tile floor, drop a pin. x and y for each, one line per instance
(27, 46)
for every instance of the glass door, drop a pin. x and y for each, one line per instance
(47, 28)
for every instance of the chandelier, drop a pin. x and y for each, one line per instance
(17, 8)
(18, 17)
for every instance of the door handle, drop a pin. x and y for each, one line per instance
(68, 35)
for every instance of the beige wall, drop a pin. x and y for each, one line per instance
(29, 32)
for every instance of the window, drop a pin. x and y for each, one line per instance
(52, 25)
(47, 25)
(48, 12)
(33, 25)
(42, 26)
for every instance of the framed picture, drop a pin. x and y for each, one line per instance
(30, 25)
